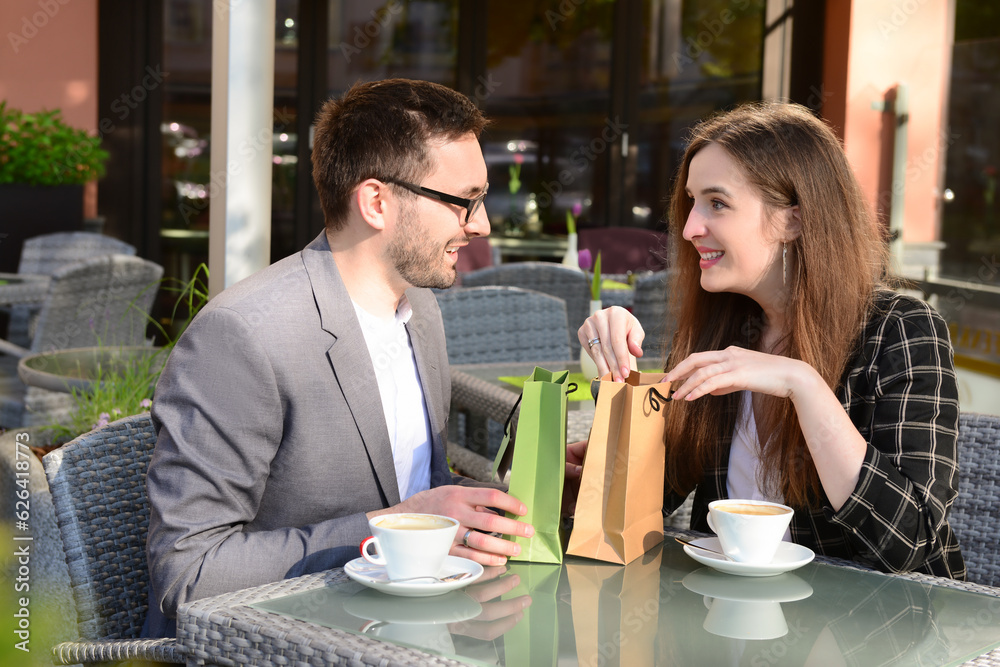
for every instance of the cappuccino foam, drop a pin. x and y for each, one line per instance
(755, 510)
(414, 522)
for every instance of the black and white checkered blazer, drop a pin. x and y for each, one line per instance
(901, 392)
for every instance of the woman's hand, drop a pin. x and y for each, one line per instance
(619, 337)
(837, 448)
(735, 369)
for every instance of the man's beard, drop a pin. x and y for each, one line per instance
(418, 261)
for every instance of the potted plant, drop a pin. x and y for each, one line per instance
(44, 164)
(110, 382)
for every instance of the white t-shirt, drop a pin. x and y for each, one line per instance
(402, 396)
(744, 460)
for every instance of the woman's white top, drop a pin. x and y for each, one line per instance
(742, 481)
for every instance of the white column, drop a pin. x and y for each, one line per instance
(776, 70)
(242, 126)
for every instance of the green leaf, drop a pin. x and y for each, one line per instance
(570, 223)
(595, 283)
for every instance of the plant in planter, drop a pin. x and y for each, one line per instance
(121, 381)
(44, 163)
(41, 149)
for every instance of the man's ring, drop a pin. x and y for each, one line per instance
(465, 540)
(593, 341)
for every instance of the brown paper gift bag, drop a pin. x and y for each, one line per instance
(619, 509)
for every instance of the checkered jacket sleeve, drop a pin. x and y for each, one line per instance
(902, 394)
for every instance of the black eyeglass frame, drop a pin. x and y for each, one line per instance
(470, 205)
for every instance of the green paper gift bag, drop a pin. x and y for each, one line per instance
(536, 458)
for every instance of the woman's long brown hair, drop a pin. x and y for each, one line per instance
(790, 158)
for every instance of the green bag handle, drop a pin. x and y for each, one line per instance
(505, 454)
(570, 388)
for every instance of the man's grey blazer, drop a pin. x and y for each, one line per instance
(272, 442)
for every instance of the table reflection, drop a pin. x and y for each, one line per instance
(421, 622)
(746, 607)
(664, 609)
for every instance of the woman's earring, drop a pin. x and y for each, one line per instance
(784, 264)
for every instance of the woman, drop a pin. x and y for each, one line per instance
(797, 375)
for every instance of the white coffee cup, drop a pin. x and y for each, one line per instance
(410, 545)
(749, 530)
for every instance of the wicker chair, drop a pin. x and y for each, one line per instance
(496, 324)
(975, 515)
(48, 253)
(569, 284)
(650, 308)
(101, 301)
(98, 486)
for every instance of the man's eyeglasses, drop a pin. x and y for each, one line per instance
(470, 205)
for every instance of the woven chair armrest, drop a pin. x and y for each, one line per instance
(470, 464)
(480, 397)
(105, 650)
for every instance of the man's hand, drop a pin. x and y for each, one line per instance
(575, 452)
(473, 507)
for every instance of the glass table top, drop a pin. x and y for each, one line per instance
(666, 609)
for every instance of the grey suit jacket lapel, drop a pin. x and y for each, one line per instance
(350, 362)
(423, 341)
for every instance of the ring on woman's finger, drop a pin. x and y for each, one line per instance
(593, 341)
(465, 540)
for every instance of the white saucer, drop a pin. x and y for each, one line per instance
(374, 576)
(788, 557)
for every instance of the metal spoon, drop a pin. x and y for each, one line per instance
(697, 546)
(441, 580)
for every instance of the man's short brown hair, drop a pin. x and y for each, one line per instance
(382, 130)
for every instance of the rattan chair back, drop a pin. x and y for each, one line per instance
(48, 253)
(569, 284)
(496, 324)
(975, 515)
(650, 307)
(98, 486)
(99, 301)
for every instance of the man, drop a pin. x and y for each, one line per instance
(314, 395)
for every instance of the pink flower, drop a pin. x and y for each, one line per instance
(577, 209)
(585, 259)
(518, 158)
(145, 403)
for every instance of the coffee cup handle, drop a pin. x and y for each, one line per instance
(377, 560)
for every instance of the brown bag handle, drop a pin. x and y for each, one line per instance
(653, 395)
